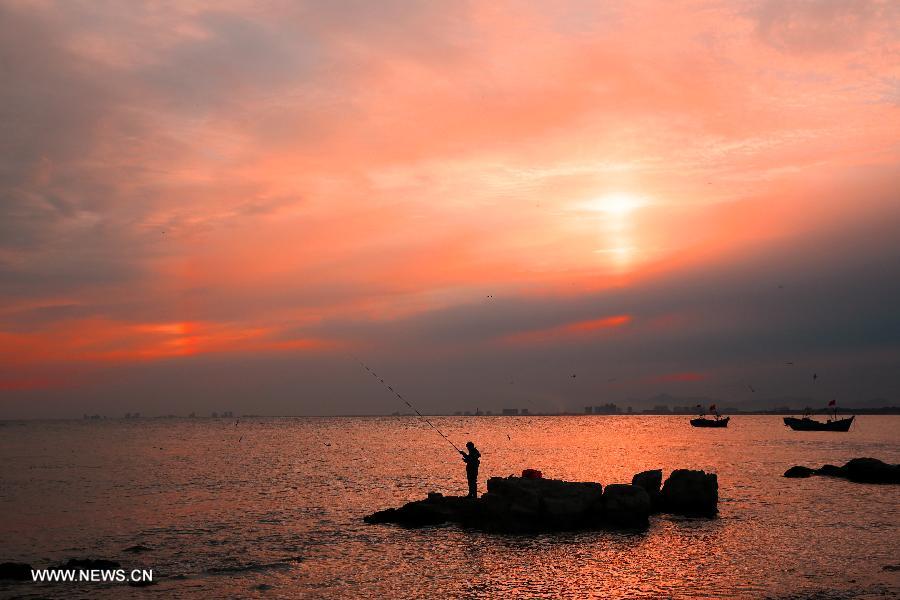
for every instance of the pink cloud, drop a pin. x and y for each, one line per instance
(686, 376)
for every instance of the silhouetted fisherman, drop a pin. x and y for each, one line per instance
(472, 460)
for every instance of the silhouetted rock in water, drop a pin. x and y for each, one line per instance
(15, 571)
(136, 549)
(434, 510)
(859, 470)
(625, 506)
(693, 493)
(90, 563)
(519, 505)
(651, 482)
(799, 472)
(831, 471)
(872, 470)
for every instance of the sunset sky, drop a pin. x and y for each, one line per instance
(219, 206)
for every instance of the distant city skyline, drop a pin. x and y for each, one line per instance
(659, 404)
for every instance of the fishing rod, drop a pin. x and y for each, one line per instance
(406, 402)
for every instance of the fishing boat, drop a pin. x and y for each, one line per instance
(704, 422)
(807, 424)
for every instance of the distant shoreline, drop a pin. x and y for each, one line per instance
(887, 410)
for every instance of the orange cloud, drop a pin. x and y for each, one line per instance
(196, 197)
(570, 330)
(97, 340)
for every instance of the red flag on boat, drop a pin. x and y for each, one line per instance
(832, 403)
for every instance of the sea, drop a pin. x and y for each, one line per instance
(274, 507)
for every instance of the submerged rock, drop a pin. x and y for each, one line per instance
(859, 470)
(799, 472)
(15, 571)
(694, 493)
(521, 505)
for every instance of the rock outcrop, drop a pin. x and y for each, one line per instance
(871, 470)
(828, 471)
(694, 493)
(518, 504)
(625, 506)
(521, 505)
(859, 470)
(651, 481)
(437, 509)
(799, 472)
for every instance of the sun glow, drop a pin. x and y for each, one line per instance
(614, 213)
(617, 204)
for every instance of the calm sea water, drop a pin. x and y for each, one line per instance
(273, 508)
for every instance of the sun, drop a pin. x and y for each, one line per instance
(618, 204)
(617, 240)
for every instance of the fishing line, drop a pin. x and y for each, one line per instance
(406, 402)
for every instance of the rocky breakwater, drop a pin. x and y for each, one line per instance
(521, 505)
(859, 470)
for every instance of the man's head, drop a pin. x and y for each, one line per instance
(470, 445)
